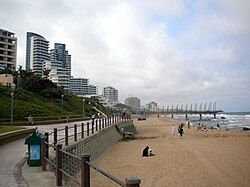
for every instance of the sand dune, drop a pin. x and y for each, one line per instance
(213, 158)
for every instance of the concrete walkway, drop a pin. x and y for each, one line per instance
(10, 155)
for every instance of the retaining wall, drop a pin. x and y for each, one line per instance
(95, 145)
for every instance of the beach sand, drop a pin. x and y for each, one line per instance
(213, 158)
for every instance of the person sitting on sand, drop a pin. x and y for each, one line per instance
(145, 151)
(150, 152)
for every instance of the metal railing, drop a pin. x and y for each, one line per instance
(66, 165)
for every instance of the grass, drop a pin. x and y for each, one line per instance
(4, 129)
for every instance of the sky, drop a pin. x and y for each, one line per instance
(168, 51)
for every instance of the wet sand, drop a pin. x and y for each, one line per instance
(213, 158)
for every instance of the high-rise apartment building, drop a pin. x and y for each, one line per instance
(57, 73)
(37, 48)
(111, 94)
(8, 49)
(59, 53)
(133, 102)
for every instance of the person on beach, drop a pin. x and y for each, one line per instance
(173, 129)
(188, 125)
(150, 152)
(181, 131)
(145, 151)
(205, 128)
(218, 126)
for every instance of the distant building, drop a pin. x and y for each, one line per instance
(6, 79)
(133, 102)
(57, 73)
(79, 86)
(111, 94)
(59, 53)
(92, 90)
(37, 48)
(8, 49)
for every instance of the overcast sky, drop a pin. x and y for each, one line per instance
(169, 51)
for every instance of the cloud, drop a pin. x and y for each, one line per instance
(172, 52)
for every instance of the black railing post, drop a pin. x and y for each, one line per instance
(75, 132)
(55, 136)
(102, 122)
(58, 165)
(82, 130)
(66, 135)
(88, 128)
(47, 144)
(85, 170)
(96, 126)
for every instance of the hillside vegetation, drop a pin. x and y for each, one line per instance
(41, 97)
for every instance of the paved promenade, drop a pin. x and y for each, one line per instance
(11, 154)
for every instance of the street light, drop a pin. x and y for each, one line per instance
(83, 100)
(62, 102)
(12, 100)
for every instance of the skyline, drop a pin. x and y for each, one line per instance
(178, 52)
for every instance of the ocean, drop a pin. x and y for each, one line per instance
(236, 121)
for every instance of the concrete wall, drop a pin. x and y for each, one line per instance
(95, 145)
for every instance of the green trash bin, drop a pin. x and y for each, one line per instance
(34, 142)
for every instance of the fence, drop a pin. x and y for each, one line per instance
(66, 164)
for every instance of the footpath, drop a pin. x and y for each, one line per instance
(11, 154)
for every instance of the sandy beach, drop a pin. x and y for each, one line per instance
(213, 158)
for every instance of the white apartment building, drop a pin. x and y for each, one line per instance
(37, 47)
(133, 102)
(8, 49)
(111, 94)
(57, 73)
(79, 86)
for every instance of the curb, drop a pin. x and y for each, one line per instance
(17, 172)
(14, 135)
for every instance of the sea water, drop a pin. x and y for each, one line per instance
(236, 121)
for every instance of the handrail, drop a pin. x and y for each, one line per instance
(118, 181)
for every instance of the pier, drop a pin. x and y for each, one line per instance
(203, 109)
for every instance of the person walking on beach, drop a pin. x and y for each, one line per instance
(181, 131)
(173, 129)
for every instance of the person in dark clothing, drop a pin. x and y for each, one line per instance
(145, 151)
(181, 131)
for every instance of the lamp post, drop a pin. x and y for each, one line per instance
(83, 100)
(12, 100)
(62, 102)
